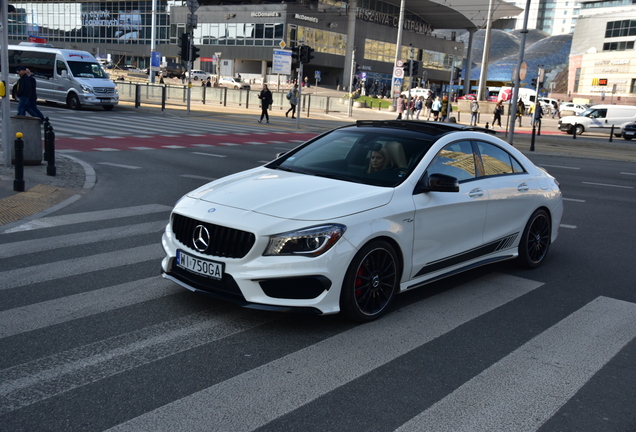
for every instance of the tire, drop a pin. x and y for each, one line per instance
(108, 107)
(627, 138)
(535, 242)
(579, 129)
(196, 78)
(72, 101)
(371, 282)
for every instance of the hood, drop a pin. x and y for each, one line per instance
(95, 82)
(288, 195)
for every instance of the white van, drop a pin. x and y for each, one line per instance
(71, 77)
(600, 118)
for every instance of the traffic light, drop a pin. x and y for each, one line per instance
(457, 73)
(534, 83)
(184, 52)
(407, 67)
(194, 53)
(306, 54)
(416, 68)
(296, 54)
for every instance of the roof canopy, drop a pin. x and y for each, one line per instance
(458, 14)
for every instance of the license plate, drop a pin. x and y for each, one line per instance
(199, 266)
(629, 133)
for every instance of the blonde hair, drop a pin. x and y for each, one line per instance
(387, 160)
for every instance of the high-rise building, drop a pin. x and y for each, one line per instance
(554, 17)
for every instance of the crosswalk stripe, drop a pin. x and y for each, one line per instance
(46, 377)
(51, 221)
(76, 239)
(557, 362)
(309, 373)
(52, 312)
(77, 266)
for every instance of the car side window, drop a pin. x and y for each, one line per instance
(497, 161)
(456, 160)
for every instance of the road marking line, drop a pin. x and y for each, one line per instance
(559, 166)
(196, 177)
(567, 226)
(558, 362)
(574, 200)
(119, 165)
(608, 185)
(209, 154)
(105, 149)
(142, 148)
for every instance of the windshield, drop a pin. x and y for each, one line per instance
(373, 156)
(86, 70)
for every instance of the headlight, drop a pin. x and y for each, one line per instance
(86, 89)
(312, 242)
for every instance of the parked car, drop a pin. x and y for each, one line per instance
(417, 92)
(571, 108)
(198, 75)
(629, 131)
(600, 118)
(470, 96)
(172, 70)
(235, 83)
(349, 219)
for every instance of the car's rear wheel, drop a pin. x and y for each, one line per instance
(371, 282)
(535, 242)
(628, 138)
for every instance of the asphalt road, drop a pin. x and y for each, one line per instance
(93, 339)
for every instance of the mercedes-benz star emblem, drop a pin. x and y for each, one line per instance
(201, 238)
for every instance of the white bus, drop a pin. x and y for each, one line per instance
(67, 76)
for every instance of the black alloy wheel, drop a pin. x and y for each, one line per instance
(535, 243)
(371, 282)
(72, 101)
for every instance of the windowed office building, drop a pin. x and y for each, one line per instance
(238, 37)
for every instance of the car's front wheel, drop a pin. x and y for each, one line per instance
(579, 129)
(371, 282)
(73, 102)
(535, 242)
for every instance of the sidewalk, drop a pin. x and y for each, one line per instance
(45, 194)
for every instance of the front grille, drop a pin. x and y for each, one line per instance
(224, 242)
(103, 90)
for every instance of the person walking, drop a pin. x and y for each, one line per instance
(26, 88)
(429, 105)
(497, 112)
(419, 106)
(521, 108)
(474, 112)
(446, 108)
(557, 109)
(266, 100)
(33, 99)
(436, 107)
(538, 114)
(400, 107)
(292, 97)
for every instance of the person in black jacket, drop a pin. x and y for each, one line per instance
(266, 100)
(33, 100)
(26, 94)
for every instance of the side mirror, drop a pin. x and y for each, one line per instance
(64, 74)
(438, 183)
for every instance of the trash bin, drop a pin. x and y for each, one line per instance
(31, 129)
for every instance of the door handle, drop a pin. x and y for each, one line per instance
(476, 193)
(523, 187)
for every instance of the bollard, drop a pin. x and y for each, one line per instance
(18, 183)
(611, 133)
(534, 128)
(574, 131)
(49, 145)
(137, 96)
(163, 98)
(539, 128)
(487, 125)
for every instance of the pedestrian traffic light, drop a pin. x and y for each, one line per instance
(184, 52)
(306, 54)
(457, 73)
(415, 70)
(194, 53)
(296, 54)
(534, 83)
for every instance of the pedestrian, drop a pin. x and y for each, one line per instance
(474, 112)
(292, 97)
(497, 112)
(306, 81)
(429, 105)
(436, 107)
(183, 77)
(161, 80)
(538, 114)
(33, 100)
(208, 82)
(557, 109)
(419, 106)
(266, 100)
(25, 90)
(521, 108)
(400, 107)
(446, 108)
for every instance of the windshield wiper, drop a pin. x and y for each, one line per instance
(294, 170)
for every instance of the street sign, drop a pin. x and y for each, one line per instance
(282, 44)
(282, 62)
(523, 71)
(398, 72)
(193, 5)
(317, 75)
(397, 82)
(399, 63)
